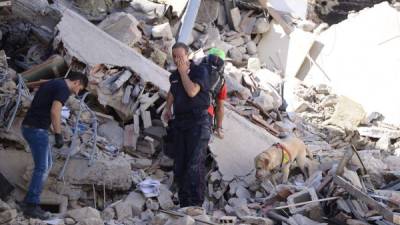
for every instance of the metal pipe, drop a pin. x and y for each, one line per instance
(188, 21)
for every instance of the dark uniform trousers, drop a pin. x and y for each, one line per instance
(191, 136)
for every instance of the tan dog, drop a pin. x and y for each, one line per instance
(280, 157)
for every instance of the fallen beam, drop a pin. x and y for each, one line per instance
(361, 196)
(92, 46)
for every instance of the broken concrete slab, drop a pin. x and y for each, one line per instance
(208, 11)
(379, 132)
(113, 132)
(82, 40)
(83, 213)
(277, 48)
(349, 68)
(348, 114)
(231, 159)
(114, 174)
(123, 27)
(297, 8)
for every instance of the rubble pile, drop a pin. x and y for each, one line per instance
(114, 169)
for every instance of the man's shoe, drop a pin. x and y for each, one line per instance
(34, 211)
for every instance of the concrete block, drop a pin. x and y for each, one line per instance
(137, 163)
(123, 27)
(136, 202)
(162, 31)
(123, 210)
(305, 195)
(251, 48)
(165, 198)
(8, 216)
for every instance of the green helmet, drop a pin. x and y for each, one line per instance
(217, 52)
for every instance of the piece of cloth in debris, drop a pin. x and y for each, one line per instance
(38, 115)
(38, 140)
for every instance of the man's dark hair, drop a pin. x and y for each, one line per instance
(181, 45)
(73, 76)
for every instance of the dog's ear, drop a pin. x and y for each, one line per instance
(266, 162)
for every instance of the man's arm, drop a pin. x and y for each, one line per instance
(191, 88)
(170, 100)
(56, 116)
(219, 113)
(167, 112)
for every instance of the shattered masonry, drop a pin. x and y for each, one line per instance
(286, 75)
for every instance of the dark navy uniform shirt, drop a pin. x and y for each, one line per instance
(39, 114)
(183, 103)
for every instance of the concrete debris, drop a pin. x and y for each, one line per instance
(123, 27)
(83, 214)
(282, 78)
(162, 31)
(347, 115)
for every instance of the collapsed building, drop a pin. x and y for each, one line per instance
(282, 76)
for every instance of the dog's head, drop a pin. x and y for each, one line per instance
(262, 166)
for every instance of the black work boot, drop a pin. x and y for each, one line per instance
(34, 211)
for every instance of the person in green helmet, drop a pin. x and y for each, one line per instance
(215, 62)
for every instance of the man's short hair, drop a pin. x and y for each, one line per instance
(73, 76)
(181, 45)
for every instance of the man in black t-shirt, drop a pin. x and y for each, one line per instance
(45, 110)
(190, 97)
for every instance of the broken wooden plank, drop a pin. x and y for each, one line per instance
(361, 196)
(264, 124)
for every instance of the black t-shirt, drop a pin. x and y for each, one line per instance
(183, 103)
(38, 115)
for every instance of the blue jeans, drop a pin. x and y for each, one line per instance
(38, 140)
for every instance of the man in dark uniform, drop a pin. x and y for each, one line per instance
(45, 110)
(190, 97)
